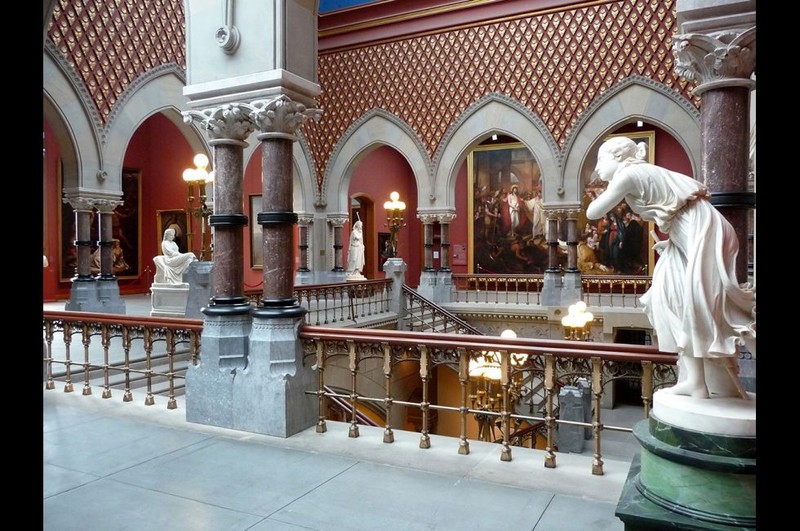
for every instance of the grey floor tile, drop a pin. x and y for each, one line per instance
(567, 513)
(242, 476)
(108, 505)
(58, 479)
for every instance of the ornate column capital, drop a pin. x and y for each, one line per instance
(446, 218)
(338, 221)
(228, 123)
(721, 59)
(280, 117)
(427, 219)
(304, 219)
(79, 203)
(107, 205)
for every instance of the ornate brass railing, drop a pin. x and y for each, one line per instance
(423, 315)
(598, 290)
(519, 360)
(329, 304)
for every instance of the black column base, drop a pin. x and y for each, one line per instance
(221, 306)
(279, 308)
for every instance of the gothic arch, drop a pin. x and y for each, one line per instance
(374, 129)
(635, 98)
(494, 113)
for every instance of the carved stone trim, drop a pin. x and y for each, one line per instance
(229, 121)
(724, 58)
(280, 116)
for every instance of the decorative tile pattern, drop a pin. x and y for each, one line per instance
(110, 43)
(554, 62)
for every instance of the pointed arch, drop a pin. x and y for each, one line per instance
(376, 128)
(635, 98)
(494, 113)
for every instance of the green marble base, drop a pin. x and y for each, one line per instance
(689, 480)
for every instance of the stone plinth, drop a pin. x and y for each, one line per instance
(168, 300)
(199, 276)
(551, 288)
(697, 467)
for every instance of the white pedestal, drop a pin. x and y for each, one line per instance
(169, 300)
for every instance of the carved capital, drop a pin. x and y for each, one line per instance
(337, 221)
(107, 205)
(227, 122)
(720, 59)
(280, 115)
(304, 219)
(428, 219)
(447, 218)
(80, 203)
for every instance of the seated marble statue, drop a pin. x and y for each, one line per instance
(171, 265)
(695, 304)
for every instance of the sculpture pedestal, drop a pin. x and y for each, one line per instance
(697, 467)
(168, 300)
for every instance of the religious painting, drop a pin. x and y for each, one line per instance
(384, 248)
(178, 220)
(508, 222)
(620, 243)
(256, 238)
(126, 227)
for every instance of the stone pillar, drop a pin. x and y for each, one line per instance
(551, 288)
(107, 285)
(571, 290)
(427, 226)
(444, 224)
(722, 63)
(302, 247)
(337, 222)
(444, 279)
(210, 384)
(83, 293)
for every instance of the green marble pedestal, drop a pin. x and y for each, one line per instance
(689, 479)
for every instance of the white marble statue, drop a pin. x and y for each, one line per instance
(355, 254)
(695, 303)
(171, 265)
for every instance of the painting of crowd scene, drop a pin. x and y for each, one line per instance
(508, 222)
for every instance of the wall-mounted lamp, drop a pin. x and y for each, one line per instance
(578, 322)
(639, 123)
(199, 176)
(494, 137)
(394, 218)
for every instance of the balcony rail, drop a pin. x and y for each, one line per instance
(337, 303)
(520, 363)
(598, 290)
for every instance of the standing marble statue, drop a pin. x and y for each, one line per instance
(695, 304)
(355, 253)
(171, 265)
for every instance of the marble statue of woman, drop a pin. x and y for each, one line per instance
(695, 304)
(171, 265)
(355, 254)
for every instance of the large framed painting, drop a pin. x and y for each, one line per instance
(178, 220)
(384, 248)
(619, 243)
(507, 225)
(126, 227)
(256, 238)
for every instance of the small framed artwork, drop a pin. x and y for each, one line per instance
(178, 220)
(384, 248)
(256, 238)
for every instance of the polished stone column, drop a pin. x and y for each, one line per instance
(277, 119)
(84, 211)
(444, 224)
(572, 241)
(227, 127)
(552, 243)
(105, 240)
(427, 225)
(337, 223)
(303, 222)
(723, 63)
(553, 281)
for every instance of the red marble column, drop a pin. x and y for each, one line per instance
(106, 243)
(552, 245)
(228, 221)
(277, 221)
(83, 242)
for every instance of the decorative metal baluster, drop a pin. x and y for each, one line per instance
(351, 346)
(68, 357)
(424, 370)
(463, 378)
(48, 337)
(322, 427)
(550, 419)
(148, 353)
(647, 386)
(170, 339)
(126, 347)
(505, 414)
(388, 434)
(105, 336)
(597, 426)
